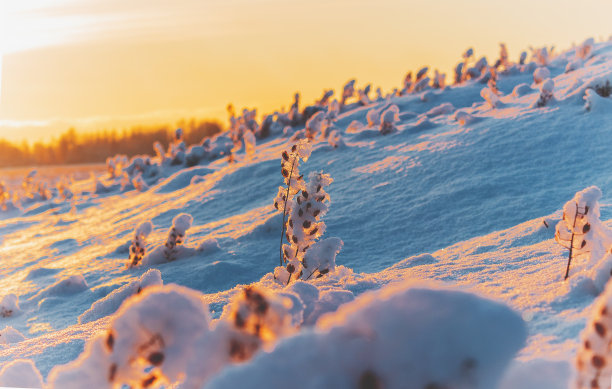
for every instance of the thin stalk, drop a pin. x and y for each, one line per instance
(569, 258)
(285, 209)
(312, 273)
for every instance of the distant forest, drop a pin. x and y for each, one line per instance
(73, 148)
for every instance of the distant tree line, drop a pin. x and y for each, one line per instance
(73, 148)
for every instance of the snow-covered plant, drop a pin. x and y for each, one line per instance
(160, 152)
(594, 356)
(176, 236)
(541, 74)
(139, 184)
(458, 73)
(137, 248)
(439, 80)
(257, 319)
(523, 58)
(492, 83)
(540, 55)
(9, 305)
(5, 198)
(290, 169)
(63, 189)
(503, 56)
(323, 101)
(294, 113)
(364, 98)
(178, 148)
(249, 143)
(316, 125)
(388, 118)
(490, 97)
(546, 93)
(335, 139)
(407, 85)
(347, 92)
(304, 227)
(422, 73)
(585, 236)
(584, 50)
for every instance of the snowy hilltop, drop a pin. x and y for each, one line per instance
(455, 232)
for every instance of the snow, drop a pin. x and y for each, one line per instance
(465, 194)
(21, 374)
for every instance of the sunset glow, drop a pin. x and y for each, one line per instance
(107, 64)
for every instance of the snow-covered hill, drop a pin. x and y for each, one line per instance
(448, 275)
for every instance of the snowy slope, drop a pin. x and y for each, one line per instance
(468, 183)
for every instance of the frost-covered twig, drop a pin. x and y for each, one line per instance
(137, 248)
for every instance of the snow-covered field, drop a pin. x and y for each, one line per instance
(440, 203)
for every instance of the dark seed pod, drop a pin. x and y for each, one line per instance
(306, 224)
(276, 205)
(305, 194)
(290, 268)
(583, 244)
(293, 148)
(156, 358)
(308, 205)
(300, 177)
(316, 212)
(112, 372)
(110, 341)
(299, 200)
(295, 239)
(148, 381)
(285, 173)
(314, 231)
(318, 188)
(586, 228)
(300, 212)
(239, 321)
(324, 271)
(285, 156)
(290, 223)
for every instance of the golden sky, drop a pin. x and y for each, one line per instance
(96, 64)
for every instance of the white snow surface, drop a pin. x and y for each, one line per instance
(464, 195)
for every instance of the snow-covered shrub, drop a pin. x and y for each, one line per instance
(6, 204)
(546, 93)
(459, 73)
(540, 55)
(442, 109)
(249, 143)
(439, 80)
(137, 248)
(323, 101)
(573, 64)
(490, 97)
(594, 356)
(364, 98)
(584, 50)
(463, 117)
(398, 337)
(586, 237)
(421, 84)
(388, 118)
(492, 82)
(316, 125)
(290, 169)
(295, 117)
(139, 184)
(9, 305)
(522, 58)
(304, 227)
(20, 373)
(503, 56)
(541, 74)
(111, 302)
(407, 84)
(150, 341)
(160, 153)
(348, 91)
(422, 73)
(335, 139)
(180, 224)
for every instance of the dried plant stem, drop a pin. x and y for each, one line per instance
(285, 209)
(569, 258)
(313, 272)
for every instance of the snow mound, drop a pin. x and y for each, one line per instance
(109, 304)
(20, 374)
(10, 335)
(425, 336)
(64, 287)
(181, 179)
